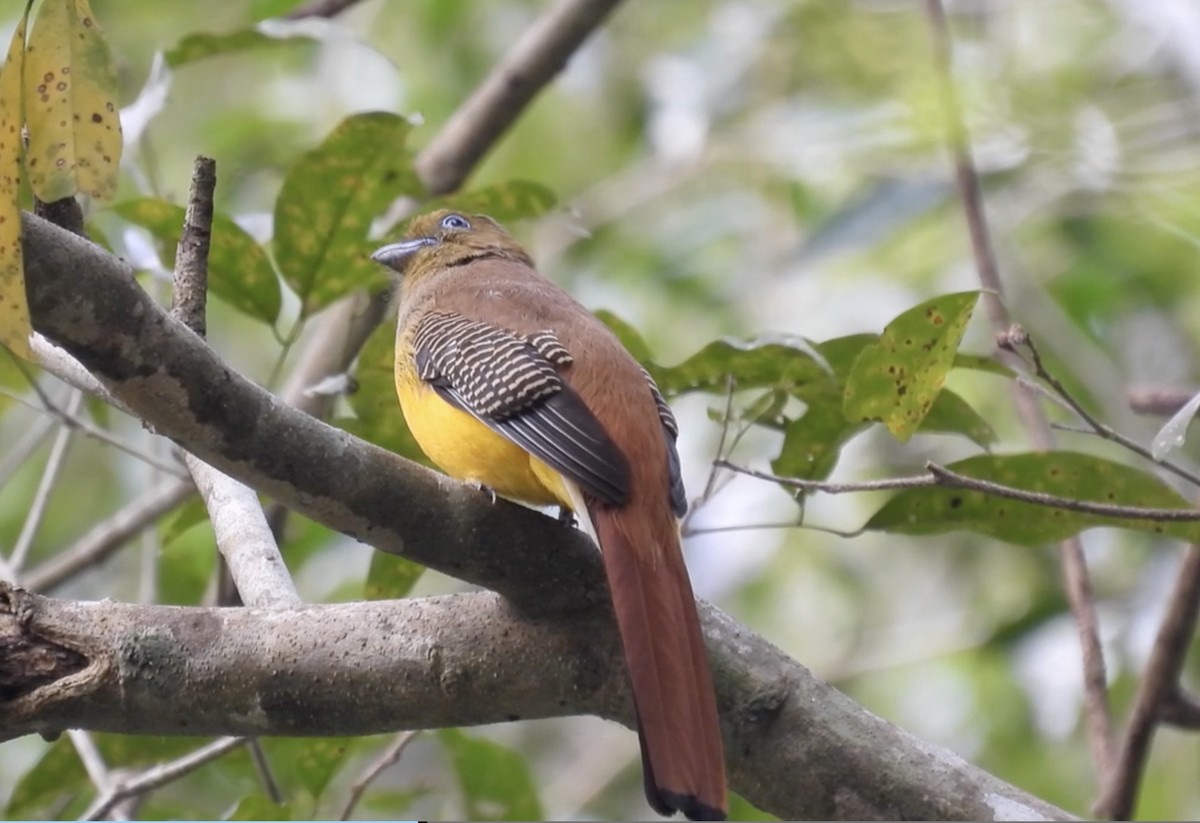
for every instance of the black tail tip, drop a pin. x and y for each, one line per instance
(668, 803)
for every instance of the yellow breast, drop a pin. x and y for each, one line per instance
(468, 450)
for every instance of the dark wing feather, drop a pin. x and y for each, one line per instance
(511, 384)
(671, 429)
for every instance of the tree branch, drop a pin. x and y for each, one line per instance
(538, 56)
(796, 746)
(1076, 578)
(1159, 687)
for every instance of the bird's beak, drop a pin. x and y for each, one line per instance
(394, 255)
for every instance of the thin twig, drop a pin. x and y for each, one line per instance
(243, 536)
(24, 448)
(158, 776)
(1077, 581)
(710, 485)
(87, 428)
(106, 537)
(92, 760)
(37, 509)
(386, 758)
(263, 767)
(726, 422)
(319, 8)
(1100, 428)
(945, 478)
(1159, 400)
(1181, 710)
(1158, 686)
(69, 370)
(189, 298)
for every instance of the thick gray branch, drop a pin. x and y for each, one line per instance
(796, 746)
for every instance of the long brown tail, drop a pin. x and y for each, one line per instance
(682, 757)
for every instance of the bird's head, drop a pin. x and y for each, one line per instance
(443, 239)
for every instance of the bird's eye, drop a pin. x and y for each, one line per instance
(455, 221)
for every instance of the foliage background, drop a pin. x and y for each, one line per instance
(742, 168)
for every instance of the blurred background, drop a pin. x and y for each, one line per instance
(741, 168)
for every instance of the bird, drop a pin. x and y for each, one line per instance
(508, 383)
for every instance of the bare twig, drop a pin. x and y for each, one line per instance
(263, 767)
(24, 448)
(69, 370)
(244, 538)
(87, 428)
(93, 761)
(1007, 341)
(160, 775)
(1158, 400)
(386, 758)
(1159, 687)
(37, 509)
(108, 536)
(1077, 581)
(319, 8)
(189, 298)
(241, 529)
(1181, 709)
(945, 478)
(536, 58)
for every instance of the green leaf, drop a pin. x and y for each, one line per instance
(379, 420)
(238, 269)
(506, 202)
(813, 443)
(71, 113)
(324, 211)
(953, 415)
(191, 513)
(897, 379)
(55, 777)
(391, 577)
(15, 326)
(932, 510)
(317, 761)
(752, 365)
(841, 352)
(979, 362)
(742, 809)
(185, 566)
(259, 807)
(495, 780)
(630, 338)
(198, 46)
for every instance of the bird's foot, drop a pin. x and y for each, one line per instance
(478, 486)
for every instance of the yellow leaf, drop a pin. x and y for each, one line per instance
(14, 310)
(70, 105)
